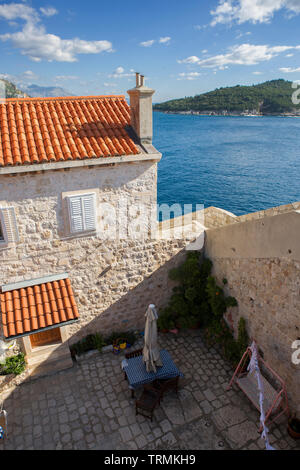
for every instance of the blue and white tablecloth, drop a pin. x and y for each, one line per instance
(137, 374)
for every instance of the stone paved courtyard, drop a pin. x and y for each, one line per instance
(90, 407)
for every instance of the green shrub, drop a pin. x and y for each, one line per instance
(217, 299)
(129, 336)
(90, 342)
(13, 365)
(219, 333)
(96, 341)
(188, 305)
(198, 299)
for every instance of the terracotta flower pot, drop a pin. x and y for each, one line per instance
(175, 331)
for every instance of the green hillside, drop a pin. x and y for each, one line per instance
(12, 91)
(273, 97)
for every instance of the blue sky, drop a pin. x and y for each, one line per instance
(183, 48)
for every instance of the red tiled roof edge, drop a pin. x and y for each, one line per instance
(38, 307)
(43, 130)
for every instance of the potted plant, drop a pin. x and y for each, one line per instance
(294, 427)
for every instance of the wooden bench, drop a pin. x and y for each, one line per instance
(275, 396)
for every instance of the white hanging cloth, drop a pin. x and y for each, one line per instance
(253, 367)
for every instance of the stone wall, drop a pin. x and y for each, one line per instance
(260, 259)
(216, 217)
(269, 212)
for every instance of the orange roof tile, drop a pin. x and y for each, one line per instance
(41, 130)
(36, 307)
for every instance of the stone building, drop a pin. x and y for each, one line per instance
(79, 247)
(77, 207)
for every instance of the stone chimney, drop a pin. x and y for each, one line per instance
(141, 110)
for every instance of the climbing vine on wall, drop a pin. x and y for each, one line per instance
(198, 300)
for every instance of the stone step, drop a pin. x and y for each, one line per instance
(50, 367)
(47, 354)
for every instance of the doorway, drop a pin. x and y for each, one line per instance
(44, 338)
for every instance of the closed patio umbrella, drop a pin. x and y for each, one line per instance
(151, 356)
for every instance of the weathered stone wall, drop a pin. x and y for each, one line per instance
(261, 261)
(114, 281)
(216, 217)
(269, 212)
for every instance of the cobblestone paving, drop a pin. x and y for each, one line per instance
(90, 407)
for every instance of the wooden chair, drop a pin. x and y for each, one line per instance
(162, 386)
(136, 353)
(129, 355)
(147, 403)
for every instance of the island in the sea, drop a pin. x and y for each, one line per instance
(270, 98)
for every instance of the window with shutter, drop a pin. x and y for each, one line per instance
(82, 213)
(8, 225)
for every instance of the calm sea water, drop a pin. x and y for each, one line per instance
(240, 164)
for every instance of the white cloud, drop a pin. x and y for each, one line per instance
(193, 59)
(289, 70)
(257, 73)
(166, 40)
(14, 11)
(244, 54)
(121, 73)
(189, 76)
(290, 55)
(7, 76)
(254, 11)
(199, 27)
(29, 75)
(49, 11)
(240, 34)
(34, 42)
(163, 40)
(66, 77)
(147, 43)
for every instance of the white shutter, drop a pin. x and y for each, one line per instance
(89, 209)
(82, 212)
(9, 224)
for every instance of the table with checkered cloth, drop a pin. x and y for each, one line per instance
(138, 376)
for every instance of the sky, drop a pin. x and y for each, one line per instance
(183, 48)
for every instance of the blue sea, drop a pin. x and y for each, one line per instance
(240, 164)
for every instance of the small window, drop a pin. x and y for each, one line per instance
(82, 213)
(8, 225)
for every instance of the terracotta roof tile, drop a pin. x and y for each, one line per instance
(28, 309)
(39, 130)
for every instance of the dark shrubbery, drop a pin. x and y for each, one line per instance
(96, 341)
(197, 300)
(13, 365)
(188, 305)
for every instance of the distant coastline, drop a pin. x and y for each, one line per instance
(273, 98)
(228, 113)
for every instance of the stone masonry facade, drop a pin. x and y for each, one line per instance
(113, 280)
(267, 291)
